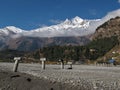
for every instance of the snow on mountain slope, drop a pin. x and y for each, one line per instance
(11, 30)
(74, 27)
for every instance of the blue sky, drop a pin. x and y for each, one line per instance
(32, 14)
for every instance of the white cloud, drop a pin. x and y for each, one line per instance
(76, 31)
(61, 30)
(118, 1)
(55, 21)
(110, 15)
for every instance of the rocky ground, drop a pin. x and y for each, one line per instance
(81, 77)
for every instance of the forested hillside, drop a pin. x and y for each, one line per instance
(92, 51)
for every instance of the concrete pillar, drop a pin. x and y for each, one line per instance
(62, 65)
(43, 65)
(71, 66)
(15, 68)
(43, 62)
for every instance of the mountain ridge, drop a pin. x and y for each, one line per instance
(70, 27)
(108, 29)
(70, 32)
(74, 27)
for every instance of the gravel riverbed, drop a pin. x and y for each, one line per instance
(84, 77)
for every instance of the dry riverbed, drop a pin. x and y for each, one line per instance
(81, 77)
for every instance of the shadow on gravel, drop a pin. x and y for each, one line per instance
(18, 81)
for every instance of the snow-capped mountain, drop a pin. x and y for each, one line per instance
(70, 27)
(11, 30)
(74, 31)
(74, 27)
